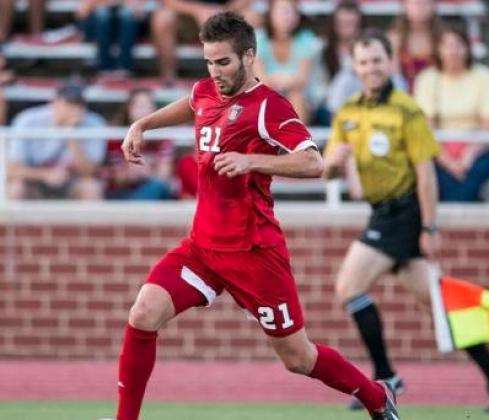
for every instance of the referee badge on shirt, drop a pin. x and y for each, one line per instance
(379, 144)
(349, 125)
(234, 112)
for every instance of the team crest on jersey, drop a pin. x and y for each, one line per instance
(234, 112)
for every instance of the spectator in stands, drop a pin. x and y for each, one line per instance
(414, 36)
(164, 26)
(58, 167)
(346, 23)
(112, 22)
(6, 76)
(286, 51)
(454, 94)
(152, 181)
(344, 26)
(36, 17)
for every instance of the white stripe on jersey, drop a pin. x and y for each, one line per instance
(289, 121)
(262, 129)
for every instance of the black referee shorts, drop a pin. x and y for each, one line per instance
(394, 228)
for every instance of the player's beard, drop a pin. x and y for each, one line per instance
(237, 81)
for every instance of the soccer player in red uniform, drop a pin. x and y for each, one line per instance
(245, 133)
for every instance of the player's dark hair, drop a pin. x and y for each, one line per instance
(229, 26)
(371, 35)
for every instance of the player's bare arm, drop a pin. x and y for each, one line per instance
(177, 112)
(335, 162)
(303, 164)
(427, 190)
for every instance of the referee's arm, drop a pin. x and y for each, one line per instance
(422, 149)
(427, 189)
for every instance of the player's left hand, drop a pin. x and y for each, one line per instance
(232, 164)
(429, 244)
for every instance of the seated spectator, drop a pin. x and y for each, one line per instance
(111, 22)
(6, 76)
(164, 26)
(151, 181)
(285, 54)
(455, 96)
(58, 167)
(414, 36)
(344, 25)
(36, 17)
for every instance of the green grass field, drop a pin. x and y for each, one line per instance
(153, 411)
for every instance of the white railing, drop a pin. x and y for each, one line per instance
(184, 136)
(310, 7)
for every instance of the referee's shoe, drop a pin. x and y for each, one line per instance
(390, 410)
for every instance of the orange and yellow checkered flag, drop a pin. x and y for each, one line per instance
(460, 313)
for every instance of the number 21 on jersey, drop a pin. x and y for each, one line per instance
(209, 139)
(267, 317)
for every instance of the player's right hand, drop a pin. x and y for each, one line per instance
(133, 144)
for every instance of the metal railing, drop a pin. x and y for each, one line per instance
(183, 136)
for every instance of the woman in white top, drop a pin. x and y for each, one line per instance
(454, 94)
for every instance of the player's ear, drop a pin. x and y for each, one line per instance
(248, 57)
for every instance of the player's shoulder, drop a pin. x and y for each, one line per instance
(203, 86)
(273, 98)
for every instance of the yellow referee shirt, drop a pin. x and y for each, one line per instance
(389, 136)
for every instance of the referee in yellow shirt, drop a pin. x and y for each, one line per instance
(383, 142)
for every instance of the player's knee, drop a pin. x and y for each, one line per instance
(145, 317)
(299, 362)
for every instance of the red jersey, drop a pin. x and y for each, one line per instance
(237, 213)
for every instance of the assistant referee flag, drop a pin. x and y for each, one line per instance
(460, 312)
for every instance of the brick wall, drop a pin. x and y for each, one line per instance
(66, 288)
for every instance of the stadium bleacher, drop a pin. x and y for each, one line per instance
(62, 51)
(68, 48)
(313, 7)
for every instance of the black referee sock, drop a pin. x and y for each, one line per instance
(367, 318)
(480, 356)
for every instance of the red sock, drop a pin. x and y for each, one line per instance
(136, 362)
(336, 372)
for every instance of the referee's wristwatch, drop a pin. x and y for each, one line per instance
(430, 229)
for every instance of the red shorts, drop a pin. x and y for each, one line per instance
(259, 280)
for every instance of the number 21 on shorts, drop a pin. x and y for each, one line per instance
(267, 317)
(209, 139)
